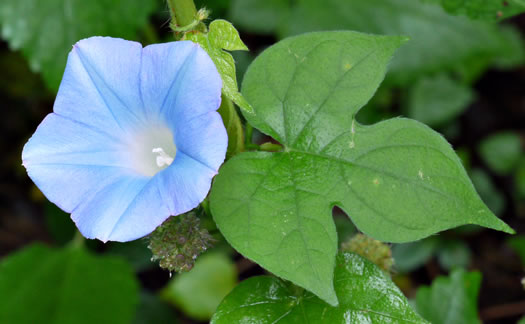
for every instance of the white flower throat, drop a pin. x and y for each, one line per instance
(152, 149)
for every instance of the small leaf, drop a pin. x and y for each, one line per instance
(438, 100)
(224, 63)
(501, 152)
(410, 256)
(45, 31)
(223, 35)
(366, 295)
(198, 292)
(453, 254)
(398, 180)
(44, 285)
(233, 125)
(450, 300)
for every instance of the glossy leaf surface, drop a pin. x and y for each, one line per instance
(366, 295)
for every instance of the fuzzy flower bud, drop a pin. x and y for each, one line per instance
(178, 242)
(373, 250)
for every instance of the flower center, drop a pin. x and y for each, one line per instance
(163, 159)
(152, 149)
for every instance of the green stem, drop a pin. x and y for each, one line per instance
(182, 12)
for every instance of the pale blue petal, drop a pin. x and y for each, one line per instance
(195, 89)
(204, 139)
(101, 84)
(67, 160)
(184, 184)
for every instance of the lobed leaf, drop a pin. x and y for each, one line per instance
(398, 180)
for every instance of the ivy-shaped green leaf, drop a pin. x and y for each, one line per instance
(450, 300)
(366, 295)
(46, 30)
(223, 36)
(44, 285)
(398, 180)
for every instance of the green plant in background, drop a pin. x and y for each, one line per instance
(398, 180)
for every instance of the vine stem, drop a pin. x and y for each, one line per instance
(182, 12)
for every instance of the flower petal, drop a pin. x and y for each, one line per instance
(204, 139)
(67, 160)
(184, 184)
(126, 211)
(195, 89)
(101, 84)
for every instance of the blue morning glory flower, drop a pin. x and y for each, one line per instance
(134, 136)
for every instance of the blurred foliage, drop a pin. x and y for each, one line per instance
(45, 30)
(488, 191)
(67, 285)
(517, 243)
(437, 100)
(501, 152)
(450, 300)
(199, 292)
(491, 10)
(152, 309)
(439, 42)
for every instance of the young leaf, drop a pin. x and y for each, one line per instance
(450, 300)
(501, 152)
(366, 295)
(398, 180)
(44, 285)
(199, 291)
(438, 100)
(45, 31)
(223, 36)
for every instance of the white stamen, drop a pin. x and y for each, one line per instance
(163, 158)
